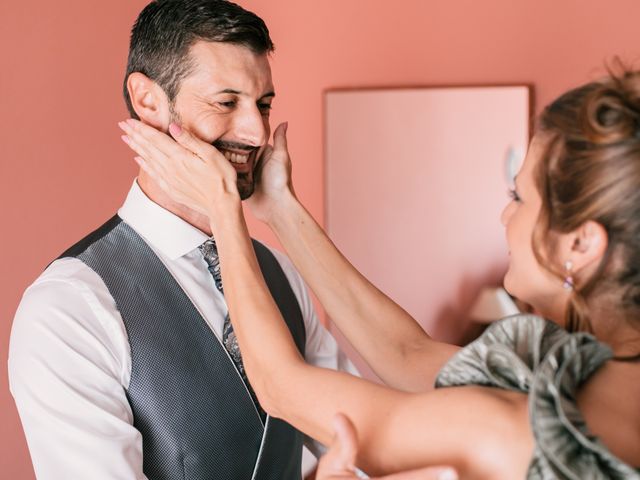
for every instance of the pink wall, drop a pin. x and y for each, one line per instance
(63, 170)
(415, 181)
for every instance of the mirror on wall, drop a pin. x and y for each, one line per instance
(416, 180)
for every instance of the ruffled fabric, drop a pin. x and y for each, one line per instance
(528, 354)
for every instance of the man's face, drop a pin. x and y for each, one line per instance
(226, 101)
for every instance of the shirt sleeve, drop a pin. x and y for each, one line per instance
(67, 371)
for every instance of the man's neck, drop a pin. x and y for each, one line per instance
(158, 196)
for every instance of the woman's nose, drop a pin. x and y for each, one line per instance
(506, 213)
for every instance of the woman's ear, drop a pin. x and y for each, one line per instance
(149, 101)
(584, 247)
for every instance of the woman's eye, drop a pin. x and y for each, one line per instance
(227, 104)
(265, 107)
(514, 194)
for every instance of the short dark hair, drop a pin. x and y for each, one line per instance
(166, 29)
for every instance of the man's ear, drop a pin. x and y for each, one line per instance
(149, 101)
(584, 247)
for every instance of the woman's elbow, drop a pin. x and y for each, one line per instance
(274, 388)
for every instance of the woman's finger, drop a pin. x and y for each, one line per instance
(346, 440)
(133, 145)
(154, 145)
(264, 157)
(147, 168)
(428, 473)
(202, 149)
(184, 147)
(154, 168)
(280, 139)
(338, 462)
(188, 179)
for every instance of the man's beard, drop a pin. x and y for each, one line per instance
(246, 185)
(245, 180)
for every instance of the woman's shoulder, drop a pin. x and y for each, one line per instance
(531, 355)
(506, 355)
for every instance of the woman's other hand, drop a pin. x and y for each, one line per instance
(339, 461)
(273, 177)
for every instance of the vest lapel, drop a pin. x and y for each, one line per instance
(271, 452)
(193, 410)
(230, 360)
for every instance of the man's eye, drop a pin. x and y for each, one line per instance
(265, 109)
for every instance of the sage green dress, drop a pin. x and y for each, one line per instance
(528, 354)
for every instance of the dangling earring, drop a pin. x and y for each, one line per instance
(568, 279)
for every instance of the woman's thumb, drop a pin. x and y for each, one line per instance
(280, 138)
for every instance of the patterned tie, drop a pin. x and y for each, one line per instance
(229, 340)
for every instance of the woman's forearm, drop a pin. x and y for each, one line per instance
(396, 430)
(256, 319)
(387, 337)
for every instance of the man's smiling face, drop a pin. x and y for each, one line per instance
(226, 101)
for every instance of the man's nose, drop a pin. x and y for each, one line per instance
(251, 127)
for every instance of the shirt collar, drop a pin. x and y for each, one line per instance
(164, 231)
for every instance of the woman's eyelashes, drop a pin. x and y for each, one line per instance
(513, 194)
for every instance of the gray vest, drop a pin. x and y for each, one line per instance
(197, 419)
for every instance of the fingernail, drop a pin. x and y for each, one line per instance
(139, 161)
(131, 122)
(125, 139)
(175, 129)
(448, 474)
(286, 126)
(122, 125)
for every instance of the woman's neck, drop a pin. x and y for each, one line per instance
(619, 331)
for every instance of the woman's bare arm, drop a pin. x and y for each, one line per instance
(387, 337)
(339, 461)
(481, 432)
(395, 346)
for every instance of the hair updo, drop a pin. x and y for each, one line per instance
(591, 171)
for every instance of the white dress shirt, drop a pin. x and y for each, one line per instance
(69, 356)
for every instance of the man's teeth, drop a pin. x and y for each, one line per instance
(236, 157)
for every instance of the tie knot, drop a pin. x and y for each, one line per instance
(210, 253)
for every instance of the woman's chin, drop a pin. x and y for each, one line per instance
(507, 284)
(514, 288)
